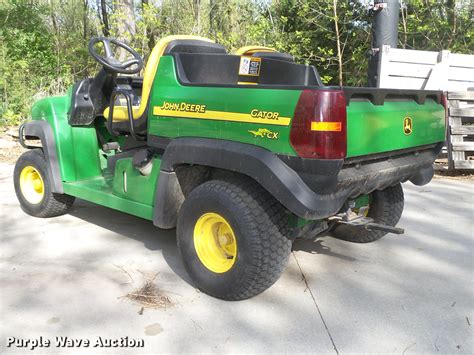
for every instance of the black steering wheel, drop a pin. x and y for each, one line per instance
(109, 61)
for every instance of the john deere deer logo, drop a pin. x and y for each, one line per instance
(407, 125)
(264, 133)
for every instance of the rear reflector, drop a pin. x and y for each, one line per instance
(326, 126)
(319, 125)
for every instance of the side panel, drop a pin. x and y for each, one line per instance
(127, 191)
(131, 185)
(99, 191)
(220, 104)
(374, 129)
(77, 147)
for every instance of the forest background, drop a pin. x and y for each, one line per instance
(43, 43)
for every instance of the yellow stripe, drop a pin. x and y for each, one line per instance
(221, 116)
(326, 126)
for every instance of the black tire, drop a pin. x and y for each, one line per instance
(51, 204)
(386, 207)
(260, 225)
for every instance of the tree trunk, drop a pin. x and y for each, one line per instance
(125, 23)
(53, 18)
(104, 18)
(86, 6)
(404, 23)
(338, 41)
(213, 5)
(197, 16)
(452, 20)
(149, 31)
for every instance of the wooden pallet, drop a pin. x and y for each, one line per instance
(460, 139)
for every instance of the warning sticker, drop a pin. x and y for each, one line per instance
(250, 66)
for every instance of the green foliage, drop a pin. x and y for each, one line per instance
(41, 48)
(26, 56)
(43, 43)
(437, 25)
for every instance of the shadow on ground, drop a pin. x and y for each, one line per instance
(136, 228)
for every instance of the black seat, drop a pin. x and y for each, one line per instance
(222, 69)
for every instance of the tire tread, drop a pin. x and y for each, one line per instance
(268, 227)
(53, 204)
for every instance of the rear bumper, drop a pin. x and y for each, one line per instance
(333, 182)
(363, 178)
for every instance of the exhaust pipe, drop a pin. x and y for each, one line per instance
(386, 15)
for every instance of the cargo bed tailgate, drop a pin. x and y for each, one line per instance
(381, 120)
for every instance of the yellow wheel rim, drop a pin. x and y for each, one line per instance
(31, 185)
(215, 242)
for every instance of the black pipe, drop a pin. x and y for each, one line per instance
(384, 32)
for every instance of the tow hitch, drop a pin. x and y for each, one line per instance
(359, 220)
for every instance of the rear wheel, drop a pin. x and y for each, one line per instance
(33, 187)
(385, 207)
(232, 237)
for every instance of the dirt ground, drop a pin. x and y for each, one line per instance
(10, 149)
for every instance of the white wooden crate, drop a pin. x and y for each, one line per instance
(460, 140)
(425, 70)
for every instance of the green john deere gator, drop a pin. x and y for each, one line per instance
(241, 152)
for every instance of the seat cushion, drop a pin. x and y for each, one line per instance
(121, 114)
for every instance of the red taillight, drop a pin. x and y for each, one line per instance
(318, 129)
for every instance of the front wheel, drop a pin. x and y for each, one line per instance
(385, 207)
(33, 187)
(232, 237)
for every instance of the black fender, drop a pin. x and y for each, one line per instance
(263, 166)
(42, 130)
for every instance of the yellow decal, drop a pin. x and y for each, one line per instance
(183, 107)
(264, 133)
(407, 125)
(264, 114)
(187, 110)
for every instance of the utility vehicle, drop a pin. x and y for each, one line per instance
(241, 152)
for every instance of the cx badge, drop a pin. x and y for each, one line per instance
(264, 133)
(407, 125)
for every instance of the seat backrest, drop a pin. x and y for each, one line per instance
(194, 46)
(222, 69)
(154, 59)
